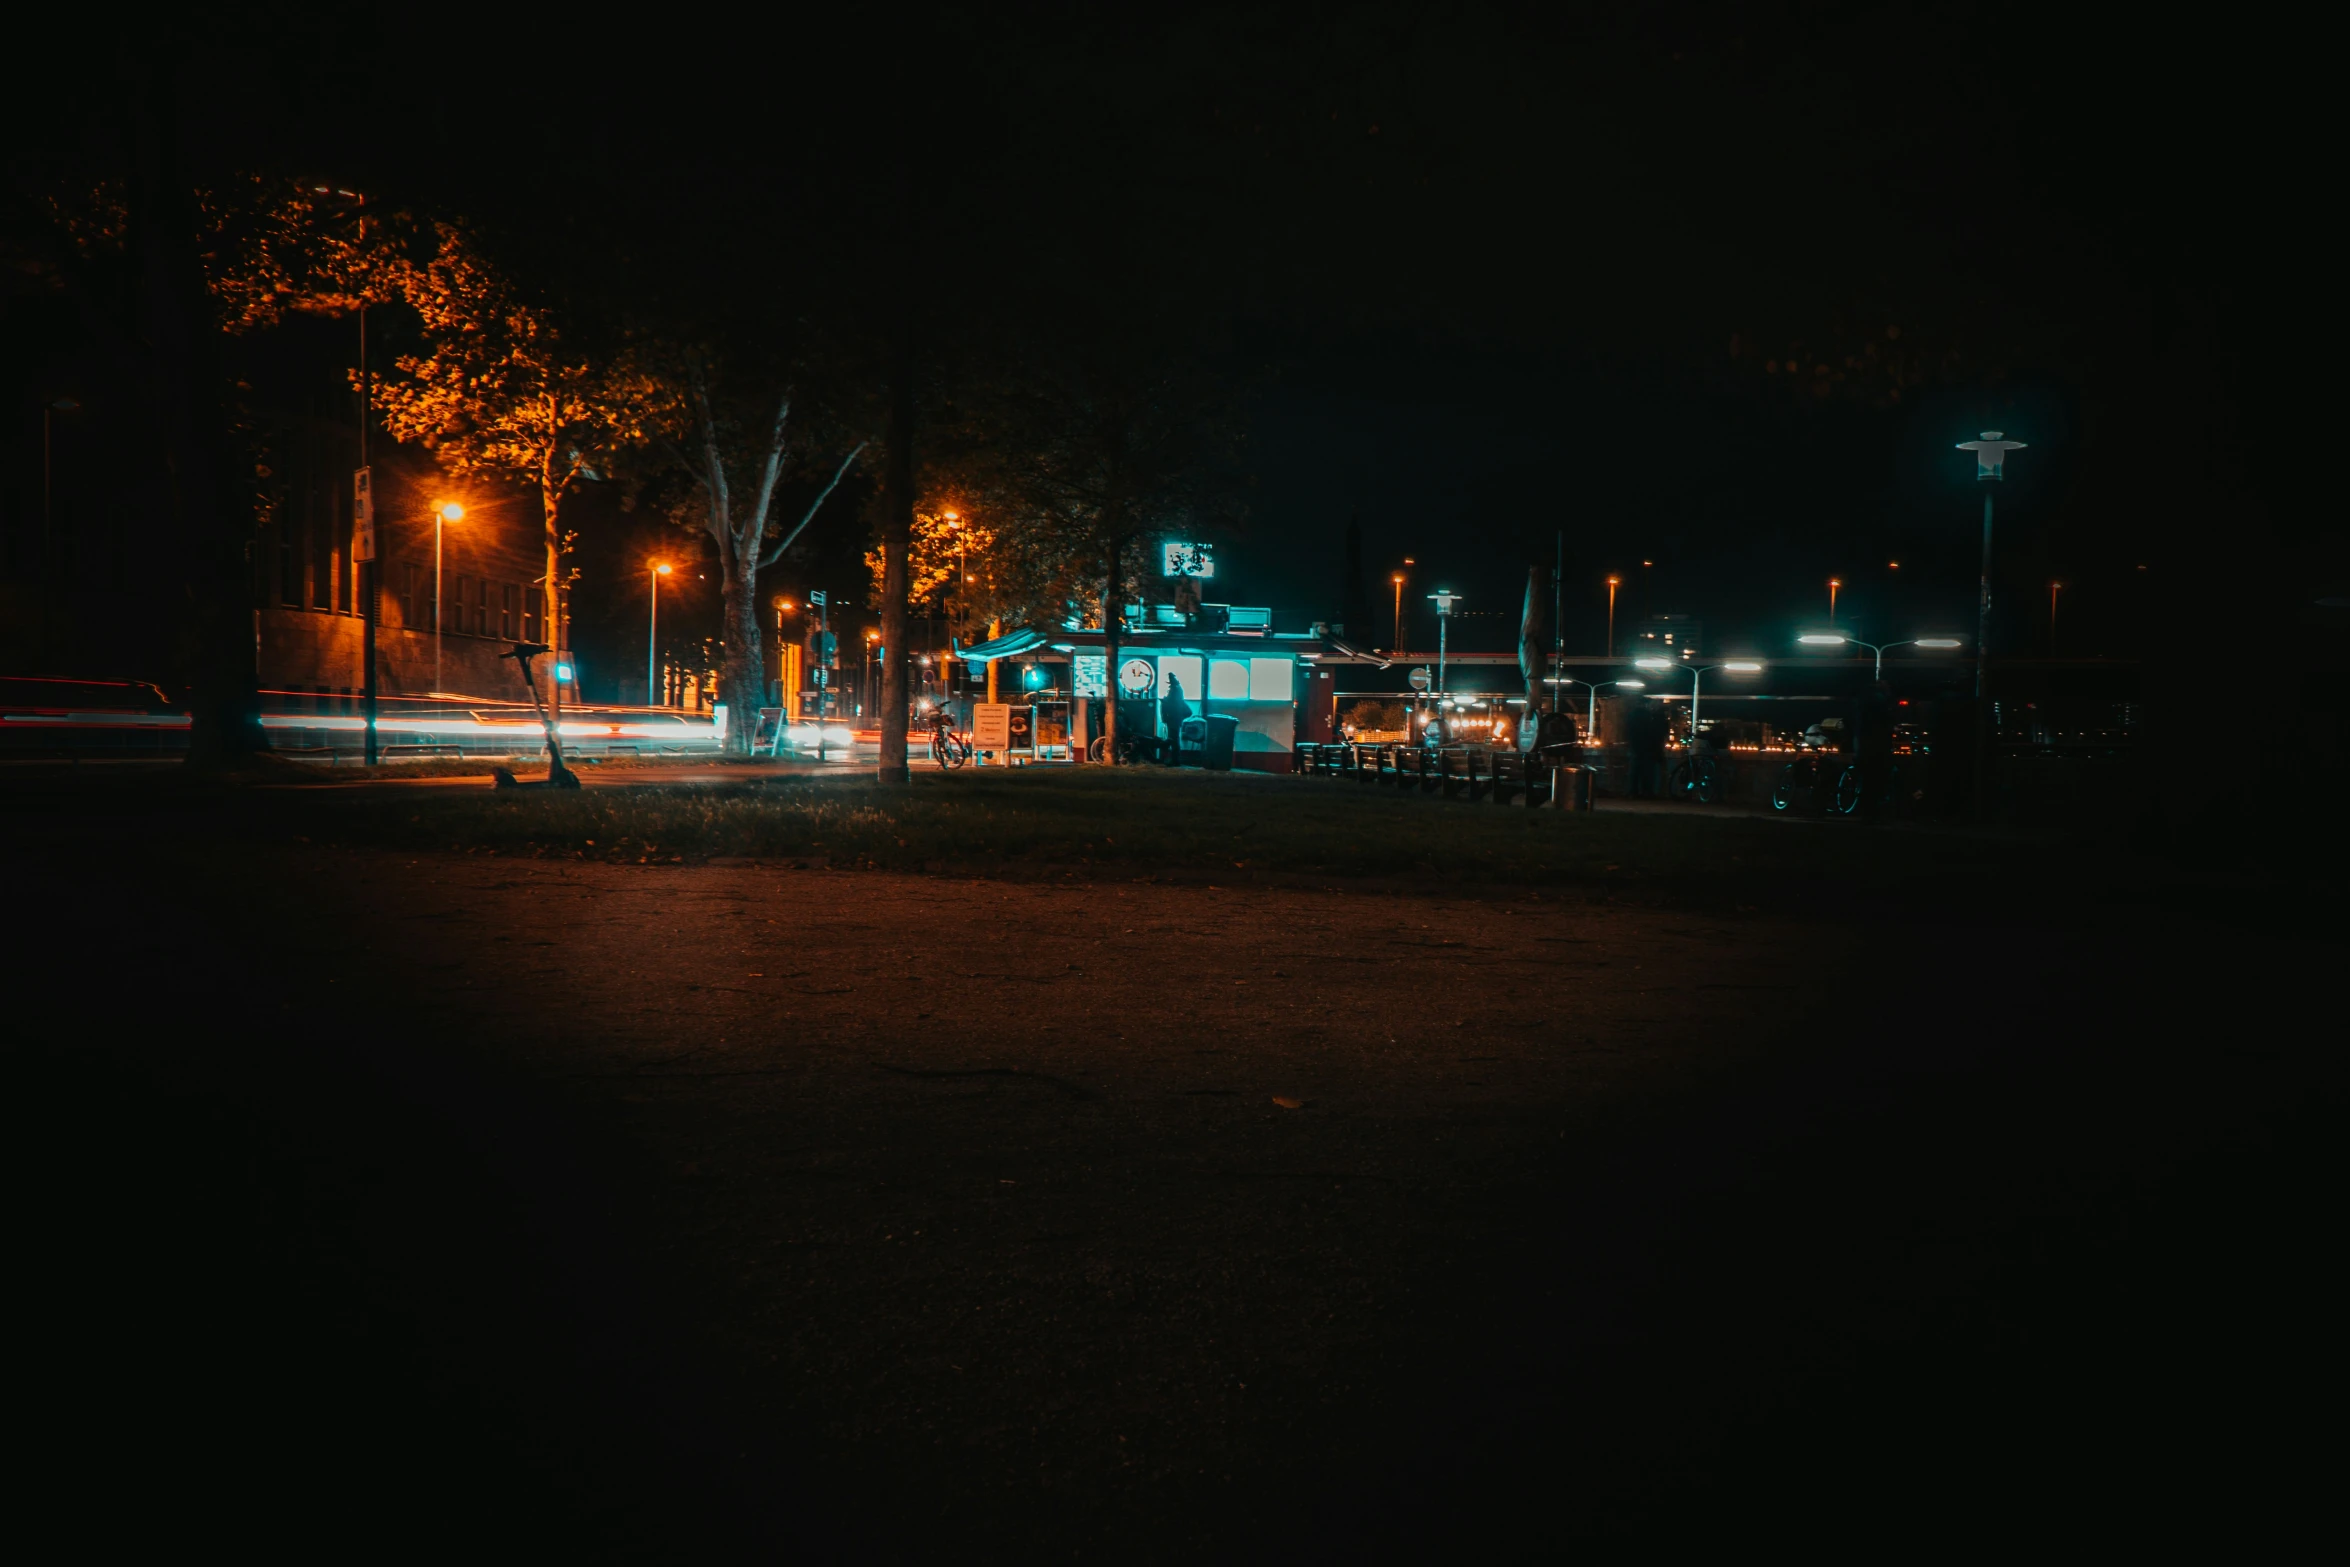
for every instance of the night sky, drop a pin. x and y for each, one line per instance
(1475, 276)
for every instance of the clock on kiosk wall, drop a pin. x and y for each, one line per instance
(1136, 676)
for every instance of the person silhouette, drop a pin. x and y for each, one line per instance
(1173, 710)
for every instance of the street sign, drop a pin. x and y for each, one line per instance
(817, 599)
(1419, 678)
(363, 514)
(991, 726)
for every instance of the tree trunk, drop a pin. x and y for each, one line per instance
(552, 627)
(742, 677)
(897, 540)
(1110, 576)
(211, 512)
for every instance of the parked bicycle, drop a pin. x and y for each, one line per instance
(1130, 749)
(947, 747)
(1822, 784)
(1698, 778)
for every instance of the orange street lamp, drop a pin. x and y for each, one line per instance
(1397, 640)
(1613, 583)
(1833, 584)
(446, 511)
(657, 570)
(2054, 588)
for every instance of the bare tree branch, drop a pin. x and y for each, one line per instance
(755, 526)
(776, 554)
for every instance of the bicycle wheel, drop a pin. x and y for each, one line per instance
(1677, 782)
(1847, 799)
(1099, 751)
(942, 749)
(1789, 788)
(1709, 782)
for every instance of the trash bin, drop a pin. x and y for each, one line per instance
(1571, 788)
(1191, 739)
(1217, 756)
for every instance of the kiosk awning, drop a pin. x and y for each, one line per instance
(1010, 645)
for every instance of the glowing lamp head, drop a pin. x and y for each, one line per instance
(450, 511)
(1940, 642)
(1991, 453)
(661, 570)
(1633, 685)
(1653, 663)
(1824, 638)
(1744, 667)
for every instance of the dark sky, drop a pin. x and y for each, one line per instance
(1487, 272)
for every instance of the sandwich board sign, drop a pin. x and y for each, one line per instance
(991, 726)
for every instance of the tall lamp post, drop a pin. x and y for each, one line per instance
(2054, 588)
(1833, 584)
(1396, 641)
(1613, 583)
(655, 573)
(1444, 599)
(1591, 724)
(446, 511)
(1697, 674)
(1990, 451)
(1839, 639)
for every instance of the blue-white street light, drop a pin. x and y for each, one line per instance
(1697, 674)
(1990, 467)
(1591, 726)
(1838, 639)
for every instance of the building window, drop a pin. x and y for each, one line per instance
(457, 605)
(509, 610)
(531, 616)
(481, 606)
(411, 578)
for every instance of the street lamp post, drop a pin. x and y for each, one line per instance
(1839, 639)
(446, 511)
(2054, 588)
(655, 572)
(1613, 583)
(1591, 723)
(1833, 584)
(1445, 599)
(1990, 451)
(1697, 674)
(1396, 641)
